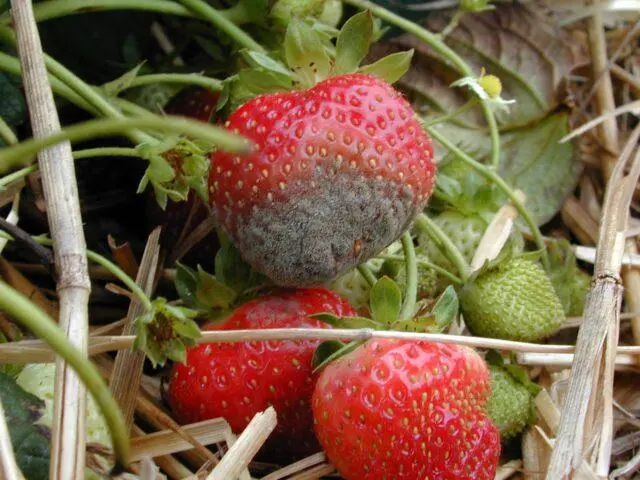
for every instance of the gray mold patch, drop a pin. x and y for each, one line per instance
(321, 232)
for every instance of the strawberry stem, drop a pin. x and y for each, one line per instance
(443, 49)
(426, 263)
(24, 152)
(206, 12)
(411, 288)
(6, 134)
(209, 83)
(491, 175)
(21, 309)
(367, 274)
(443, 242)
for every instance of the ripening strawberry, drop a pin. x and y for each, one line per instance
(238, 380)
(340, 171)
(407, 410)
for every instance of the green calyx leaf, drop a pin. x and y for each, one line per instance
(332, 350)
(346, 322)
(284, 11)
(570, 282)
(202, 291)
(390, 68)
(385, 301)
(234, 272)
(176, 166)
(353, 43)
(446, 308)
(307, 51)
(165, 331)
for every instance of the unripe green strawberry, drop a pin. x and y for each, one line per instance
(465, 231)
(512, 300)
(510, 405)
(353, 287)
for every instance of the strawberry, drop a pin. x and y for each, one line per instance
(512, 300)
(238, 380)
(511, 405)
(340, 171)
(400, 409)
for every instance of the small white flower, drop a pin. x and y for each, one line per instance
(487, 87)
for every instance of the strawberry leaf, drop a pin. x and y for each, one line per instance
(13, 109)
(186, 283)
(30, 442)
(234, 272)
(212, 293)
(446, 308)
(353, 43)
(345, 322)
(385, 301)
(332, 350)
(390, 68)
(165, 331)
(265, 62)
(306, 52)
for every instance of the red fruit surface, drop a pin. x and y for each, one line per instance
(340, 171)
(407, 410)
(238, 380)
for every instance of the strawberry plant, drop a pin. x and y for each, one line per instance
(357, 213)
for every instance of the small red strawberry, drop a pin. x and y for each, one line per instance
(340, 171)
(238, 380)
(397, 409)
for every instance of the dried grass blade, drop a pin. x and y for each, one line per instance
(296, 467)
(244, 449)
(127, 370)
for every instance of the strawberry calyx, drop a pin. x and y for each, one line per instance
(311, 52)
(176, 166)
(385, 306)
(164, 332)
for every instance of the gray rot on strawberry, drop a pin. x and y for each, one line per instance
(341, 165)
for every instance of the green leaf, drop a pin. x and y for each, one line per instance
(114, 87)
(345, 322)
(327, 354)
(494, 358)
(212, 293)
(186, 283)
(353, 43)
(535, 162)
(266, 63)
(13, 109)
(385, 301)
(306, 52)
(30, 442)
(446, 308)
(520, 374)
(390, 68)
(165, 331)
(233, 271)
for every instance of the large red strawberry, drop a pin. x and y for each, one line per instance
(398, 409)
(238, 380)
(340, 171)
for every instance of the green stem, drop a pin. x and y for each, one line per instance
(21, 309)
(453, 23)
(442, 271)
(24, 152)
(448, 116)
(90, 94)
(12, 177)
(411, 288)
(489, 174)
(206, 12)
(443, 242)
(6, 134)
(59, 8)
(123, 277)
(106, 152)
(367, 274)
(180, 78)
(440, 47)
